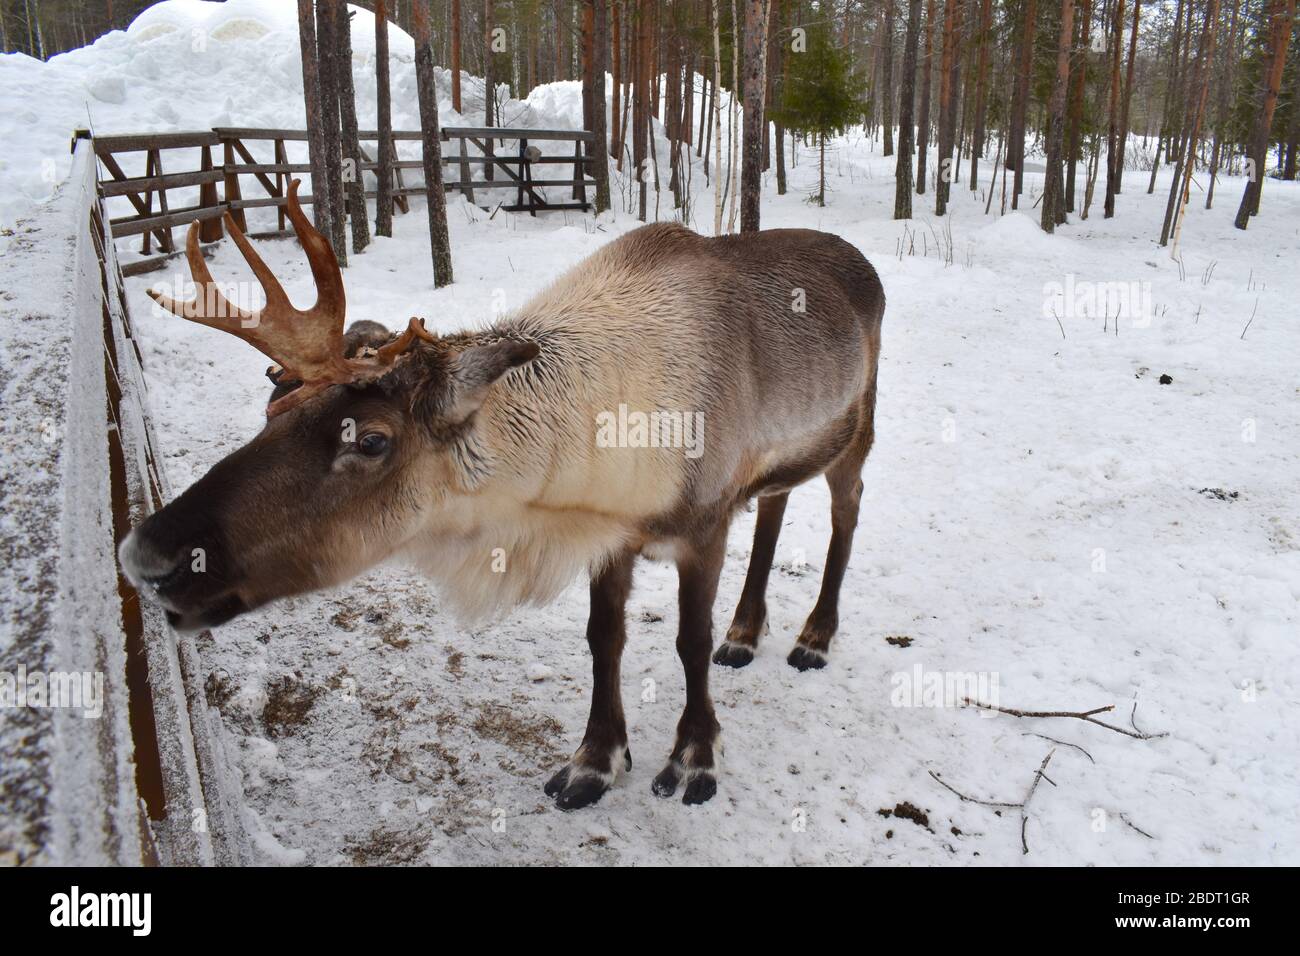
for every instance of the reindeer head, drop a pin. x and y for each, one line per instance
(357, 449)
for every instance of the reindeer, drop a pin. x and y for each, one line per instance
(452, 452)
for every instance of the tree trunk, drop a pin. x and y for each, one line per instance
(354, 182)
(981, 91)
(923, 121)
(717, 121)
(1020, 104)
(751, 171)
(455, 55)
(906, 129)
(1112, 135)
(947, 105)
(439, 238)
(327, 52)
(489, 80)
(641, 103)
(616, 70)
(383, 124)
(599, 158)
(821, 170)
(1178, 193)
(312, 96)
(887, 77)
(1053, 191)
(1281, 13)
(1128, 96)
(734, 124)
(1079, 79)
(1225, 102)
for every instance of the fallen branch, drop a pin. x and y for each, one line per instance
(1085, 715)
(1023, 806)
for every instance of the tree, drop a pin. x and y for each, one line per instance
(1020, 104)
(1281, 13)
(823, 97)
(1053, 186)
(906, 127)
(1179, 190)
(599, 160)
(489, 79)
(455, 56)
(327, 55)
(1079, 73)
(354, 182)
(1128, 95)
(383, 124)
(641, 103)
(1113, 158)
(717, 120)
(751, 171)
(923, 121)
(948, 73)
(427, 94)
(311, 92)
(981, 91)
(887, 76)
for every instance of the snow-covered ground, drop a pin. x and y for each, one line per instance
(1042, 514)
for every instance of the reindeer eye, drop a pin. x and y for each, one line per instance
(373, 444)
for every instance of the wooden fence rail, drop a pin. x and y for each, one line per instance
(146, 779)
(512, 152)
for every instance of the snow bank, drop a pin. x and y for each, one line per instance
(241, 66)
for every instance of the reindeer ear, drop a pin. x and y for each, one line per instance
(477, 368)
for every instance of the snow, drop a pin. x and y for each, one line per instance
(1040, 511)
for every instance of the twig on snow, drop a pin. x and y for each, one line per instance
(1063, 743)
(1023, 806)
(1085, 715)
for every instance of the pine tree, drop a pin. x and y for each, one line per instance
(823, 97)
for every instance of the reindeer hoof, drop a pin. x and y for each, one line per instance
(701, 789)
(665, 785)
(729, 654)
(574, 791)
(806, 658)
(557, 782)
(582, 792)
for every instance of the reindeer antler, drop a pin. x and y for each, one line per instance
(306, 343)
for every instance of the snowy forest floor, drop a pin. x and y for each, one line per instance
(1040, 512)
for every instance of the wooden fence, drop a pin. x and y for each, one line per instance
(514, 153)
(146, 780)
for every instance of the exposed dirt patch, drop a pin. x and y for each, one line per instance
(456, 664)
(288, 702)
(388, 847)
(219, 688)
(899, 640)
(908, 811)
(526, 734)
(1220, 494)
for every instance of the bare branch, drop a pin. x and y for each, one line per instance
(1084, 715)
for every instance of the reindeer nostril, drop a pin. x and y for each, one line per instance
(163, 582)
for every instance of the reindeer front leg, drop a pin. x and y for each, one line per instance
(585, 778)
(693, 759)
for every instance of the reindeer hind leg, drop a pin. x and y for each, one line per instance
(737, 649)
(844, 477)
